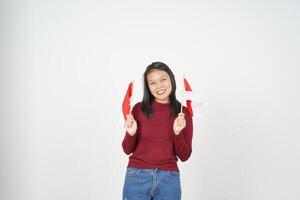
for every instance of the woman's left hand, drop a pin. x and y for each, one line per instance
(179, 123)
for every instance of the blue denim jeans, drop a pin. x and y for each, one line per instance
(151, 184)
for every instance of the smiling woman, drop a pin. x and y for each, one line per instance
(157, 134)
(160, 85)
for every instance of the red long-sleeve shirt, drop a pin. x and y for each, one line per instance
(155, 145)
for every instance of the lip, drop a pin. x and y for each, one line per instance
(163, 91)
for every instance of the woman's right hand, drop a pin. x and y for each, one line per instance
(130, 125)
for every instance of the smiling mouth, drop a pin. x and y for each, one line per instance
(160, 92)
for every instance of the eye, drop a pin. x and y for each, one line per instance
(151, 83)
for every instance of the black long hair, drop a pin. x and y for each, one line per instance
(148, 97)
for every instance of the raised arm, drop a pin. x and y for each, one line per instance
(183, 141)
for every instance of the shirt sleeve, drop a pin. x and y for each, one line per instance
(183, 141)
(129, 142)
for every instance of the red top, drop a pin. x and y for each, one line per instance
(155, 145)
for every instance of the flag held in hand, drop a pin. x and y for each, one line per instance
(126, 105)
(194, 106)
(188, 94)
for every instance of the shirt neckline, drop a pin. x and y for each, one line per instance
(160, 106)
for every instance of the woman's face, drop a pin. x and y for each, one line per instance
(159, 83)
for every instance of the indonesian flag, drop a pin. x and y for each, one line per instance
(194, 106)
(126, 105)
(188, 94)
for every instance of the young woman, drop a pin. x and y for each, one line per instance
(156, 134)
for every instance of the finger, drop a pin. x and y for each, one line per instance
(128, 120)
(181, 114)
(181, 117)
(181, 121)
(178, 121)
(128, 124)
(131, 117)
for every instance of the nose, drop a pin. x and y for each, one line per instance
(159, 87)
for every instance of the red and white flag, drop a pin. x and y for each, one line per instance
(126, 105)
(188, 94)
(193, 105)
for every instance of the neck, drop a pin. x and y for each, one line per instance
(162, 101)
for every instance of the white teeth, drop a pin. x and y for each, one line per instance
(160, 92)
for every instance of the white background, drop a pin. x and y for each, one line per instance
(65, 67)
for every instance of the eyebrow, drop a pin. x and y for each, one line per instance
(163, 76)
